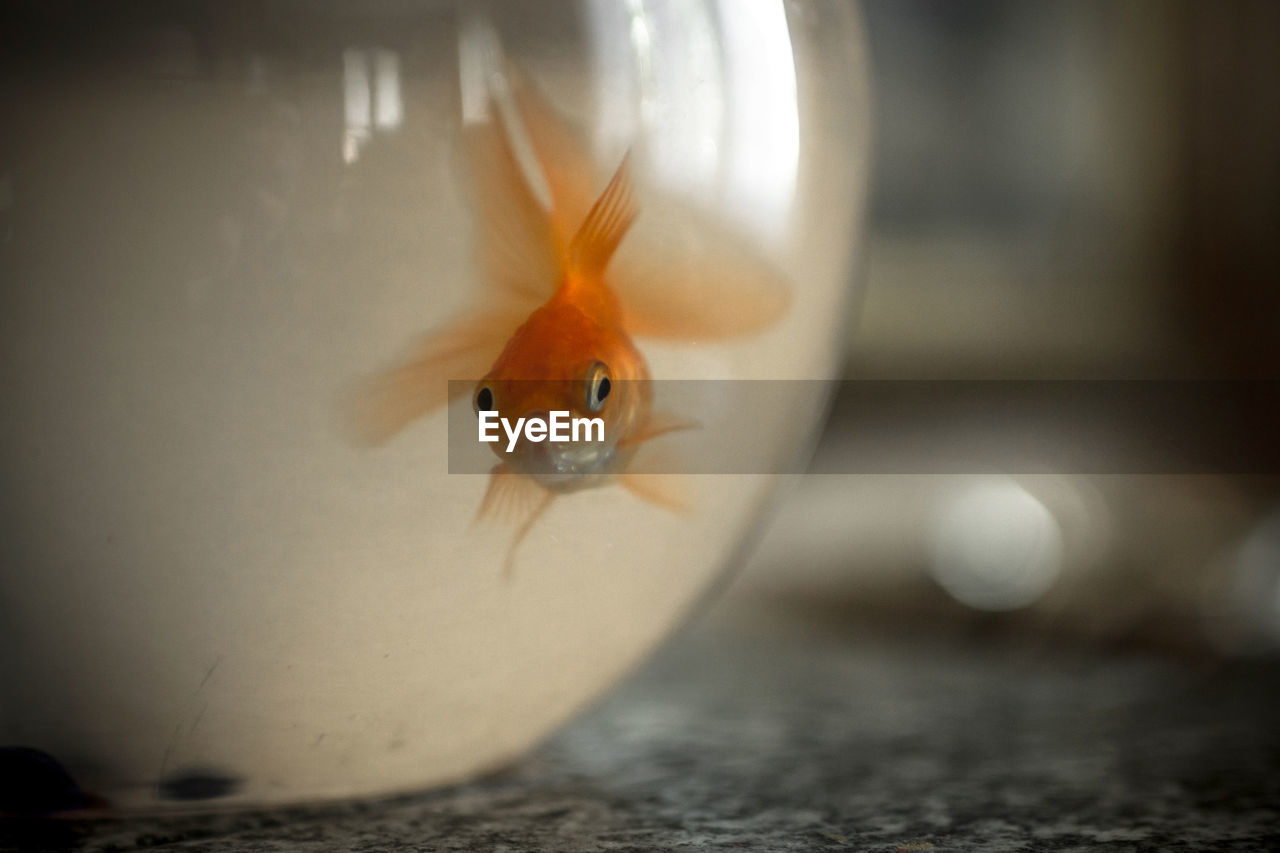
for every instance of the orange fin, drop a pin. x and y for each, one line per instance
(605, 226)
(465, 349)
(666, 490)
(650, 475)
(579, 233)
(514, 241)
(682, 276)
(514, 499)
(516, 248)
(564, 158)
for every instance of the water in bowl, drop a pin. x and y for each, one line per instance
(215, 220)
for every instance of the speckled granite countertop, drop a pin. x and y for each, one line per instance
(747, 734)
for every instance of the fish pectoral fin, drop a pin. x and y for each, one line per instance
(666, 490)
(682, 276)
(652, 473)
(508, 497)
(514, 499)
(385, 404)
(658, 424)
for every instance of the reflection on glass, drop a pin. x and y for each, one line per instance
(388, 110)
(716, 87)
(765, 127)
(370, 96)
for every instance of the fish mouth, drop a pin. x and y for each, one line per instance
(556, 462)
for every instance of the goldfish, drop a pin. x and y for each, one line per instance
(556, 324)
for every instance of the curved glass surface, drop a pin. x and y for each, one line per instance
(216, 219)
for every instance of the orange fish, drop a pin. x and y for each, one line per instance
(553, 332)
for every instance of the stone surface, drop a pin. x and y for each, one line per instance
(756, 734)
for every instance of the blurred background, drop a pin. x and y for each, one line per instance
(1069, 189)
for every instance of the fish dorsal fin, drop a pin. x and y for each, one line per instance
(605, 226)
(682, 275)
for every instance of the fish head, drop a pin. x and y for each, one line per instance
(563, 367)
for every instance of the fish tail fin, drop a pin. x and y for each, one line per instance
(517, 238)
(606, 224)
(563, 157)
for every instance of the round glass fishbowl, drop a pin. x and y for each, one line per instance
(230, 230)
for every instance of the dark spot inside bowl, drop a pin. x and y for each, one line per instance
(198, 784)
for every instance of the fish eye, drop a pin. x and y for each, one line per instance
(484, 400)
(598, 386)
